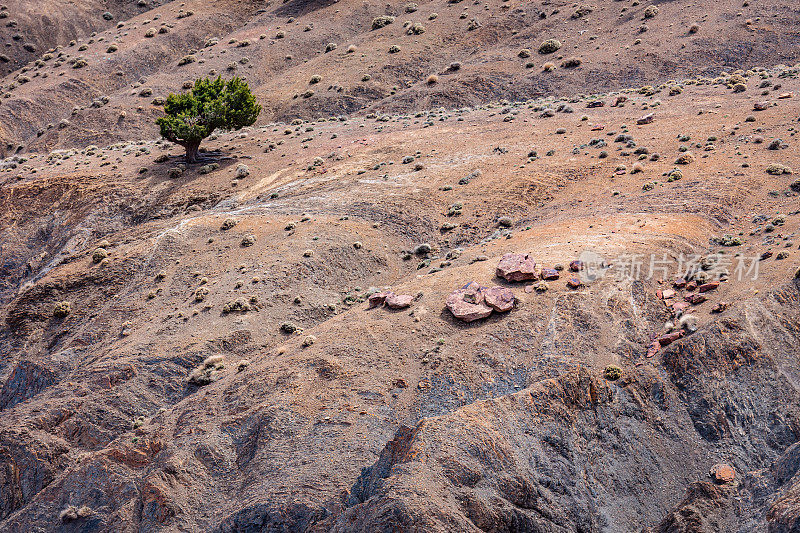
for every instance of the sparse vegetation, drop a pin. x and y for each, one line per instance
(549, 46)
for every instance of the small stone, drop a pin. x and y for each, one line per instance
(695, 298)
(720, 307)
(647, 119)
(679, 283)
(574, 283)
(722, 473)
(710, 286)
(549, 274)
(667, 293)
(576, 265)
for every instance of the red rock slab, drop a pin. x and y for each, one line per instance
(499, 298)
(398, 301)
(722, 473)
(710, 286)
(690, 286)
(669, 338)
(667, 294)
(516, 267)
(549, 274)
(467, 303)
(695, 298)
(574, 283)
(576, 265)
(679, 283)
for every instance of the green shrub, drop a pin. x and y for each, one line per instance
(211, 104)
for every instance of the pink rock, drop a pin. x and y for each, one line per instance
(528, 289)
(647, 119)
(620, 99)
(667, 293)
(377, 299)
(467, 303)
(398, 301)
(679, 283)
(516, 267)
(499, 298)
(549, 274)
(669, 338)
(692, 285)
(710, 286)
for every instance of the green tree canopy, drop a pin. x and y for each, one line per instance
(211, 104)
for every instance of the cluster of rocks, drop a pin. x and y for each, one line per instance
(474, 301)
(679, 305)
(390, 299)
(521, 267)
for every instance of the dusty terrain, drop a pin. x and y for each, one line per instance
(191, 349)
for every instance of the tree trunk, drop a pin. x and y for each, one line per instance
(191, 151)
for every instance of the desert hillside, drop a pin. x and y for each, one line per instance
(456, 277)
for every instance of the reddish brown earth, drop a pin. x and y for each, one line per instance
(221, 369)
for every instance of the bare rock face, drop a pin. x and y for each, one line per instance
(467, 303)
(516, 267)
(499, 298)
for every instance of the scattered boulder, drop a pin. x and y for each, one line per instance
(760, 106)
(647, 119)
(516, 267)
(499, 298)
(574, 283)
(467, 303)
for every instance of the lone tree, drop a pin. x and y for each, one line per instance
(211, 104)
